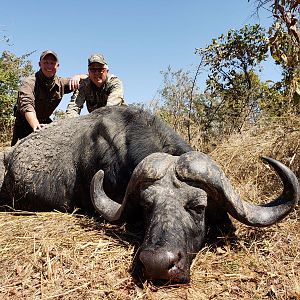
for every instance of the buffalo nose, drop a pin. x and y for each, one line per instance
(167, 265)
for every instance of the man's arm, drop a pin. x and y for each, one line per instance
(31, 118)
(26, 105)
(76, 104)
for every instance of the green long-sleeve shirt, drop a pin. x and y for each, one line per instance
(109, 94)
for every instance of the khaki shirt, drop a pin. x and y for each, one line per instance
(109, 94)
(35, 96)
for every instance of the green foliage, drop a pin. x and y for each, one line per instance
(287, 54)
(176, 94)
(180, 105)
(284, 45)
(237, 51)
(233, 86)
(234, 97)
(286, 13)
(12, 70)
(58, 114)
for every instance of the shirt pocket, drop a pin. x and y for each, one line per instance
(56, 96)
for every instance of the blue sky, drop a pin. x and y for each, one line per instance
(138, 38)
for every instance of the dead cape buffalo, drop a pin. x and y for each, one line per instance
(127, 164)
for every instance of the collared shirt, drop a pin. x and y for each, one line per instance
(35, 96)
(109, 94)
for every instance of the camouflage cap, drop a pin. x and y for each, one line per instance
(97, 58)
(46, 52)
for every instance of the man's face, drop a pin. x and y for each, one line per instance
(97, 73)
(49, 65)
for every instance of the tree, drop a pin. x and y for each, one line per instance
(233, 87)
(284, 44)
(234, 94)
(287, 13)
(12, 70)
(178, 107)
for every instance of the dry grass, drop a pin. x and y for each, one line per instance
(240, 155)
(63, 256)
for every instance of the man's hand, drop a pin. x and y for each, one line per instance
(39, 127)
(75, 81)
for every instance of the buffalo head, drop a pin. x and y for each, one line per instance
(180, 196)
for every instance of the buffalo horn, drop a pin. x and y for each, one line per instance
(200, 170)
(108, 208)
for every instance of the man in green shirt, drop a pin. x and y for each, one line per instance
(99, 89)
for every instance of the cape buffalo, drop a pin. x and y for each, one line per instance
(127, 164)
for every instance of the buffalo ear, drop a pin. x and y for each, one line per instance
(217, 219)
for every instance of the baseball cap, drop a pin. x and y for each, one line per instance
(97, 58)
(46, 52)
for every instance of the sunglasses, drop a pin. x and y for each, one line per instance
(94, 70)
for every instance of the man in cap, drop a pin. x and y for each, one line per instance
(39, 95)
(99, 89)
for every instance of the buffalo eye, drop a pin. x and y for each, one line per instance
(193, 207)
(147, 205)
